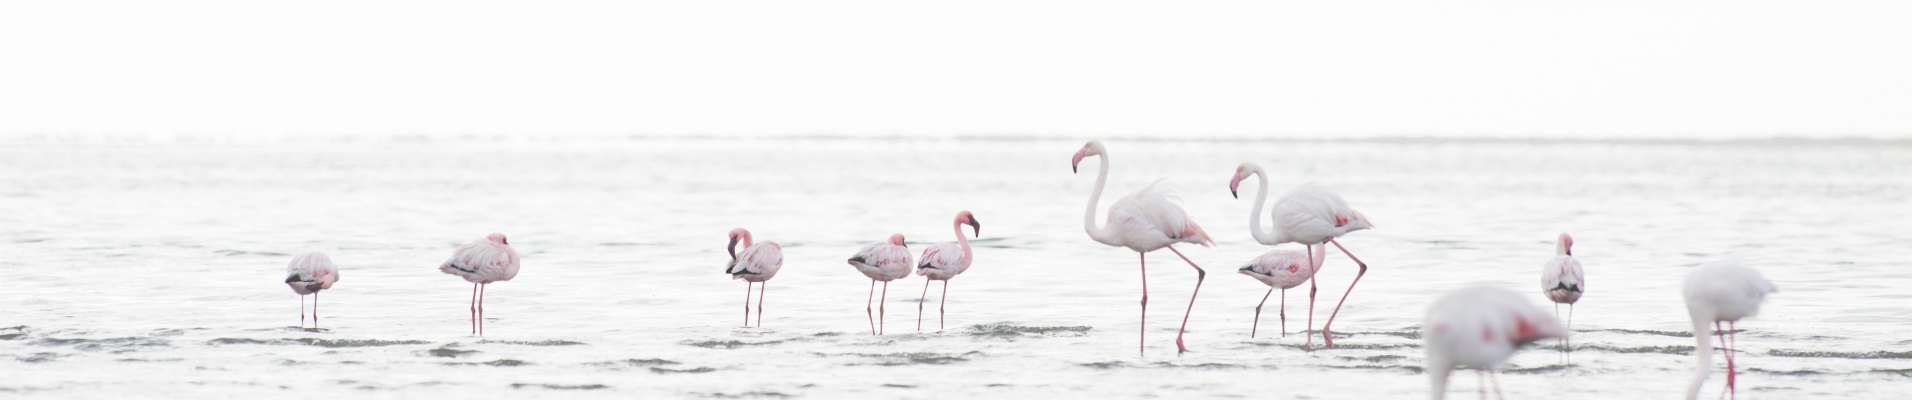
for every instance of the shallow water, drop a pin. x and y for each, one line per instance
(154, 271)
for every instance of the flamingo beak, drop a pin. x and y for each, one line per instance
(1074, 164)
(977, 225)
(1234, 185)
(732, 248)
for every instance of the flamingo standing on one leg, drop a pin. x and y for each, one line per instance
(308, 274)
(882, 261)
(1721, 292)
(1310, 215)
(1480, 327)
(1562, 281)
(943, 261)
(481, 263)
(1144, 221)
(1282, 269)
(756, 264)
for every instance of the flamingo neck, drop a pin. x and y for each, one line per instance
(1437, 373)
(963, 241)
(1270, 236)
(1703, 354)
(1100, 234)
(747, 240)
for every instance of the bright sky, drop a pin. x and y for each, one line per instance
(1707, 69)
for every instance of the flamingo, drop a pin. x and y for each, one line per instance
(1147, 220)
(482, 262)
(1562, 281)
(882, 261)
(1310, 215)
(308, 274)
(1480, 327)
(756, 264)
(1720, 292)
(1283, 269)
(943, 261)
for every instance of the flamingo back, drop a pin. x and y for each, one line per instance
(756, 263)
(1152, 218)
(1482, 326)
(1725, 291)
(882, 261)
(311, 272)
(1311, 214)
(482, 261)
(943, 261)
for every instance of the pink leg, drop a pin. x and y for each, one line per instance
(760, 289)
(881, 308)
(1284, 313)
(1727, 348)
(1569, 337)
(315, 310)
(1327, 332)
(1491, 378)
(302, 311)
(919, 306)
(942, 306)
(746, 304)
(474, 308)
(1264, 301)
(1732, 338)
(1200, 275)
(481, 309)
(1142, 337)
(869, 311)
(1312, 289)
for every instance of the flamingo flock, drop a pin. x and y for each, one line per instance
(1475, 327)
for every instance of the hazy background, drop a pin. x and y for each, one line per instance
(1621, 69)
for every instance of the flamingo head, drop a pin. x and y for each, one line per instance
(736, 235)
(897, 239)
(497, 238)
(1241, 173)
(1092, 148)
(1566, 244)
(966, 217)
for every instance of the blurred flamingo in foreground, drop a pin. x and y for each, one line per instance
(1282, 269)
(1480, 327)
(481, 263)
(1721, 292)
(756, 264)
(308, 274)
(882, 261)
(1562, 281)
(943, 261)
(1310, 215)
(1144, 221)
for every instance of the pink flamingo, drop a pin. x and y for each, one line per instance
(756, 264)
(308, 274)
(943, 261)
(1721, 292)
(481, 263)
(1310, 215)
(882, 261)
(1283, 269)
(1480, 327)
(1144, 221)
(1562, 280)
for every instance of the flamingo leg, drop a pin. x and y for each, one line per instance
(746, 304)
(1284, 313)
(474, 308)
(942, 306)
(1727, 348)
(1569, 335)
(1327, 333)
(1200, 275)
(882, 308)
(1141, 336)
(1480, 380)
(302, 311)
(315, 310)
(919, 305)
(481, 309)
(1492, 377)
(1264, 301)
(1562, 341)
(760, 289)
(1312, 289)
(867, 310)
(1732, 373)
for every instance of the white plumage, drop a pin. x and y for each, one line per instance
(1310, 215)
(1479, 327)
(1282, 269)
(943, 261)
(885, 262)
(1148, 220)
(482, 262)
(310, 273)
(1720, 292)
(757, 263)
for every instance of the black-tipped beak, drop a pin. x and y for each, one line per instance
(1234, 194)
(1073, 169)
(732, 248)
(977, 225)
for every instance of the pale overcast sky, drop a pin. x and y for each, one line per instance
(1711, 69)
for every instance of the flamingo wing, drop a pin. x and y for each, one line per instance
(1311, 207)
(942, 261)
(479, 262)
(759, 259)
(1152, 211)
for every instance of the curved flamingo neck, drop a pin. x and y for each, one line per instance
(746, 239)
(1270, 236)
(1100, 234)
(1703, 353)
(962, 240)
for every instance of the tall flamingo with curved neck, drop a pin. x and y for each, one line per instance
(755, 265)
(1562, 281)
(481, 263)
(1147, 220)
(1310, 215)
(943, 261)
(1721, 292)
(882, 261)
